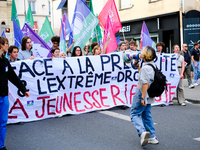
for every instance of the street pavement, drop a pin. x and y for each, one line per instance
(177, 127)
(191, 95)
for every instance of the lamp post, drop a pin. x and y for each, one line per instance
(52, 19)
(24, 8)
(181, 22)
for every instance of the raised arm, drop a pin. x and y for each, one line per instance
(106, 45)
(70, 47)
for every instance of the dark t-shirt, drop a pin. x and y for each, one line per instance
(195, 53)
(187, 57)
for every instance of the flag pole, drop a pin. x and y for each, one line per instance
(24, 8)
(123, 34)
(96, 35)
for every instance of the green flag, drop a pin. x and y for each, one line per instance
(29, 17)
(83, 25)
(96, 36)
(14, 13)
(91, 6)
(46, 32)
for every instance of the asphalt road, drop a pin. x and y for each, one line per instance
(177, 127)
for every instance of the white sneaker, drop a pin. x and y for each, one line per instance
(183, 104)
(191, 86)
(153, 140)
(171, 103)
(144, 138)
(196, 84)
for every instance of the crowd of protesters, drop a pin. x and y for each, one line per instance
(191, 58)
(185, 60)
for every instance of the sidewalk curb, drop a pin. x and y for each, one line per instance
(190, 100)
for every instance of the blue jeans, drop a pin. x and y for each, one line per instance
(195, 70)
(4, 106)
(141, 116)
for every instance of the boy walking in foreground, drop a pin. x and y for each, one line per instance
(6, 73)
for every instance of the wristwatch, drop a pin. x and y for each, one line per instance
(143, 99)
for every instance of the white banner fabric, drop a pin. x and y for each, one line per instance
(75, 85)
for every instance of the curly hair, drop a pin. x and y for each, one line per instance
(160, 44)
(55, 39)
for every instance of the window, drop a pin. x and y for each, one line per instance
(87, 2)
(65, 8)
(35, 27)
(32, 3)
(151, 1)
(124, 4)
(49, 8)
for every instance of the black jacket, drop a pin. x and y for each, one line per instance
(7, 73)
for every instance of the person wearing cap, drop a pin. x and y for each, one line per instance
(121, 46)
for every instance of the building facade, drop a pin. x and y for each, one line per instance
(5, 15)
(40, 9)
(162, 17)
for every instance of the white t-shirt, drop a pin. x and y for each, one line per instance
(180, 59)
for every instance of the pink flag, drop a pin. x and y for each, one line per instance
(110, 10)
(112, 44)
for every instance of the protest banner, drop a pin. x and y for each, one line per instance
(76, 85)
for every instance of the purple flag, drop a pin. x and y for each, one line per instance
(67, 27)
(39, 46)
(145, 39)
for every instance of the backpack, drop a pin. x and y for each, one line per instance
(159, 84)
